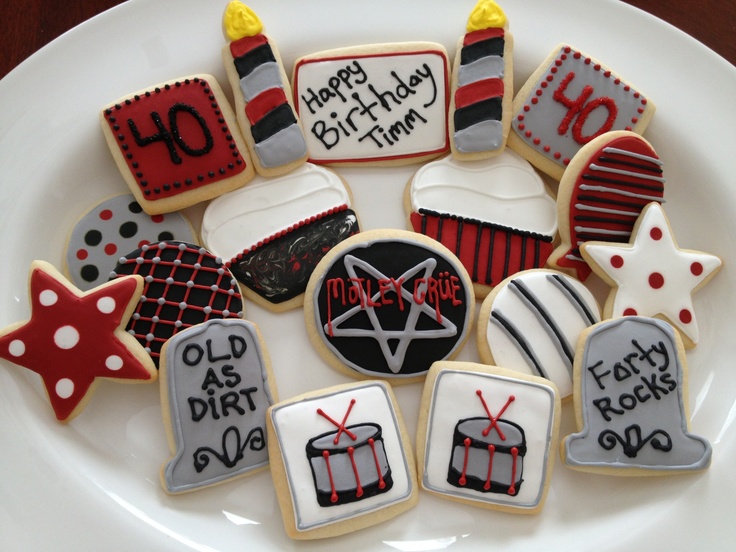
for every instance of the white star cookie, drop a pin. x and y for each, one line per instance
(651, 275)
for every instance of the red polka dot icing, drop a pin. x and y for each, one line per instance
(670, 274)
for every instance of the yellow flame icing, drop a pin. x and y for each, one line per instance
(239, 21)
(486, 14)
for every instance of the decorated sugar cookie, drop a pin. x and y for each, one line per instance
(177, 143)
(568, 101)
(379, 104)
(114, 226)
(262, 93)
(603, 191)
(631, 403)
(75, 338)
(651, 275)
(216, 384)
(495, 214)
(387, 304)
(184, 285)
(482, 85)
(486, 436)
(341, 460)
(531, 322)
(273, 232)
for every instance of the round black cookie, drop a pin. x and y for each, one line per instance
(184, 285)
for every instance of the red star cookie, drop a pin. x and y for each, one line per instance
(73, 338)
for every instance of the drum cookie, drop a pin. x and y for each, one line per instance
(273, 232)
(486, 436)
(388, 303)
(184, 285)
(531, 322)
(482, 85)
(651, 275)
(263, 98)
(114, 226)
(631, 404)
(340, 459)
(568, 101)
(216, 384)
(177, 143)
(495, 214)
(74, 338)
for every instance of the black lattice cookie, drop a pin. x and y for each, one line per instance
(185, 285)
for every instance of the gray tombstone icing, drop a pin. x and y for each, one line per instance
(218, 391)
(632, 401)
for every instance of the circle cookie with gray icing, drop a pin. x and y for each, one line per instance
(389, 303)
(115, 227)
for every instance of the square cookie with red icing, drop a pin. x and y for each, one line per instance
(177, 143)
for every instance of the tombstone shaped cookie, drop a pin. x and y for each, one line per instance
(177, 143)
(216, 384)
(486, 436)
(567, 102)
(341, 460)
(631, 402)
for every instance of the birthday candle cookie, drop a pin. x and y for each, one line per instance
(482, 85)
(631, 402)
(567, 102)
(75, 338)
(263, 99)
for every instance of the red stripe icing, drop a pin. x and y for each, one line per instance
(244, 45)
(483, 34)
(478, 91)
(264, 102)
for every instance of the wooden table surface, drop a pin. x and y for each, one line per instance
(31, 24)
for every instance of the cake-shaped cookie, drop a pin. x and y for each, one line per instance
(177, 143)
(273, 232)
(495, 214)
(568, 101)
(388, 303)
(262, 93)
(531, 322)
(482, 86)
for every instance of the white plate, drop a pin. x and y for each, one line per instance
(94, 483)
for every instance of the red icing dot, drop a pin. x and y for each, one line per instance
(157, 218)
(630, 312)
(656, 280)
(142, 243)
(617, 261)
(686, 316)
(655, 233)
(82, 254)
(111, 249)
(106, 214)
(696, 268)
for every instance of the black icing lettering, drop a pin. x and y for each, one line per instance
(598, 377)
(329, 136)
(621, 372)
(231, 375)
(211, 379)
(627, 401)
(652, 385)
(186, 354)
(247, 394)
(604, 407)
(667, 379)
(198, 408)
(230, 400)
(365, 108)
(637, 392)
(211, 356)
(313, 98)
(238, 345)
(428, 74)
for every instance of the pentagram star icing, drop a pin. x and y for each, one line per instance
(404, 336)
(651, 275)
(75, 337)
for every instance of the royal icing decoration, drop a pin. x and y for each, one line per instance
(487, 436)
(631, 404)
(185, 285)
(262, 93)
(117, 225)
(572, 99)
(482, 85)
(215, 389)
(495, 214)
(75, 337)
(174, 146)
(531, 322)
(612, 179)
(389, 306)
(273, 232)
(344, 456)
(651, 275)
(374, 104)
